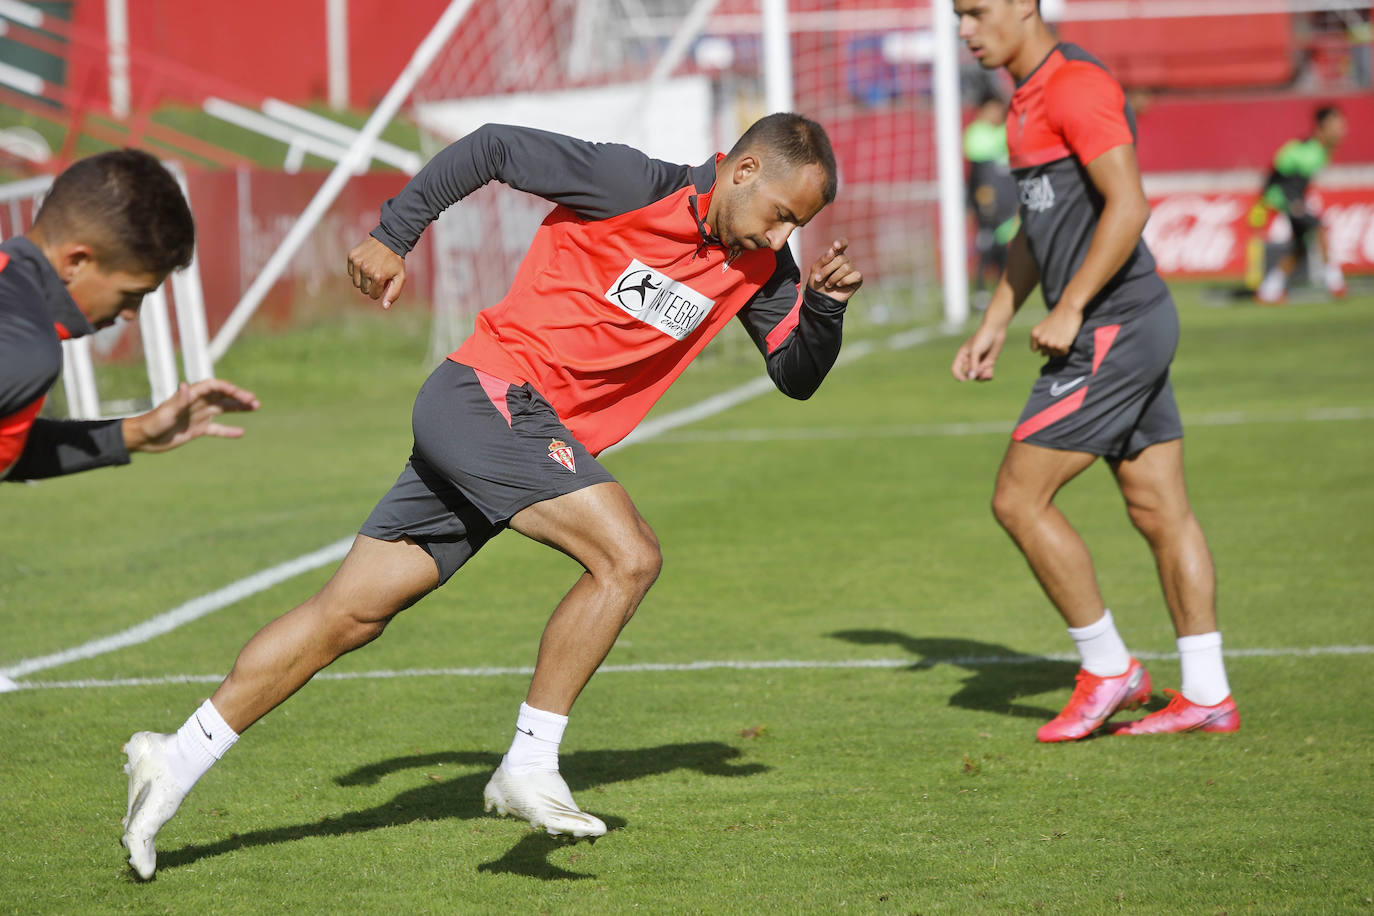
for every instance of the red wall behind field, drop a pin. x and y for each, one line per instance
(1257, 50)
(1197, 134)
(243, 216)
(272, 48)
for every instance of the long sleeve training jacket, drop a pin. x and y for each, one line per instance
(36, 314)
(623, 284)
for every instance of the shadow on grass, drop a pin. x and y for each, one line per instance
(999, 678)
(461, 798)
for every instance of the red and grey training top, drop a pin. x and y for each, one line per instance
(623, 284)
(1069, 111)
(36, 314)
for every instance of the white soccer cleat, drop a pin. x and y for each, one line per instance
(154, 796)
(542, 798)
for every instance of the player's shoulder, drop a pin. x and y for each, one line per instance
(19, 272)
(1079, 72)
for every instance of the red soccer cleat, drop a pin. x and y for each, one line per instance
(1095, 700)
(1183, 715)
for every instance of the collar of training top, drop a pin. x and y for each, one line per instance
(61, 307)
(704, 180)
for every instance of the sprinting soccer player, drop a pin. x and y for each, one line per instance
(1104, 392)
(1285, 190)
(109, 231)
(638, 266)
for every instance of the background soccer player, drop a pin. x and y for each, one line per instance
(1285, 190)
(1104, 392)
(109, 231)
(991, 193)
(641, 263)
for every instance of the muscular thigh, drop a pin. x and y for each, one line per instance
(484, 450)
(378, 579)
(593, 524)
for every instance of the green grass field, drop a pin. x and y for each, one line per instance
(849, 529)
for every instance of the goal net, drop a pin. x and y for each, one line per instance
(681, 80)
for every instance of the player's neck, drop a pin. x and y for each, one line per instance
(1040, 41)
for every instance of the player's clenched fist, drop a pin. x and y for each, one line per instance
(377, 271)
(833, 274)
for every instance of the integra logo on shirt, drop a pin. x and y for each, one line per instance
(658, 300)
(1037, 194)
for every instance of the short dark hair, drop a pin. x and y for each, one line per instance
(127, 207)
(793, 139)
(1321, 114)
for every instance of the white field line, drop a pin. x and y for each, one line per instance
(991, 427)
(657, 427)
(261, 581)
(963, 661)
(178, 616)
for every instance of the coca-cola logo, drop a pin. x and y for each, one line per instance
(1195, 233)
(1350, 233)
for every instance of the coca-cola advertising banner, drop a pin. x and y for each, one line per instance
(1207, 234)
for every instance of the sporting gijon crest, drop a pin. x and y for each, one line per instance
(560, 451)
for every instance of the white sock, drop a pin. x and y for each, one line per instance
(1273, 284)
(1101, 648)
(201, 741)
(1204, 672)
(1335, 279)
(537, 736)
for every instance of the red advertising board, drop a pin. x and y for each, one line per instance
(1207, 234)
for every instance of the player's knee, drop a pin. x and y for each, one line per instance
(345, 627)
(641, 560)
(1156, 521)
(1009, 508)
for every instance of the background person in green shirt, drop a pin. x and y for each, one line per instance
(991, 193)
(1296, 162)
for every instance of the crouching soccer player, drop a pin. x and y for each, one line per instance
(638, 266)
(109, 231)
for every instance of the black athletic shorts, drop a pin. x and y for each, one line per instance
(1110, 395)
(484, 449)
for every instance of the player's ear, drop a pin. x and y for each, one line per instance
(746, 169)
(72, 258)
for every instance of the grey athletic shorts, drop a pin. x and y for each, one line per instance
(1110, 395)
(484, 449)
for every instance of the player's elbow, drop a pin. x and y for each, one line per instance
(1142, 213)
(1135, 212)
(797, 390)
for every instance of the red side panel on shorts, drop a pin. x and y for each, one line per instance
(496, 390)
(1053, 414)
(1103, 338)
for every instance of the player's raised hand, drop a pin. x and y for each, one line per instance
(833, 274)
(377, 271)
(188, 414)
